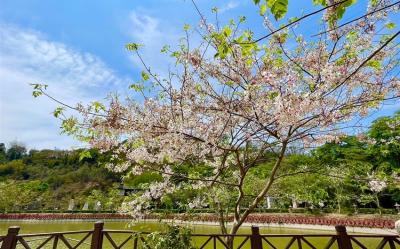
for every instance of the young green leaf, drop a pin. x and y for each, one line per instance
(98, 106)
(263, 9)
(278, 8)
(145, 76)
(186, 27)
(165, 48)
(133, 46)
(391, 25)
(84, 154)
(36, 93)
(58, 111)
(136, 87)
(374, 64)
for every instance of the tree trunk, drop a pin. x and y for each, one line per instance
(221, 219)
(229, 242)
(377, 204)
(238, 220)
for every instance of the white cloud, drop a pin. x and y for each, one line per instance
(229, 6)
(153, 33)
(27, 56)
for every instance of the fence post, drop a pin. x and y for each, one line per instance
(97, 236)
(255, 239)
(10, 241)
(343, 240)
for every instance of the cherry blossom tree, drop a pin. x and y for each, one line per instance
(376, 184)
(234, 99)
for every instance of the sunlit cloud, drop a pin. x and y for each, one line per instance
(27, 56)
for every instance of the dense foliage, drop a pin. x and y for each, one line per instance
(49, 179)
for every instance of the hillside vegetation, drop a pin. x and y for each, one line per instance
(355, 171)
(49, 179)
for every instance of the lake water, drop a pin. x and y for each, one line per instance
(58, 226)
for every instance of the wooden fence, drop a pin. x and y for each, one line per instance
(100, 238)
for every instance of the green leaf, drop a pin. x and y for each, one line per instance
(263, 9)
(145, 76)
(282, 38)
(374, 64)
(198, 87)
(36, 93)
(391, 25)
(230, 83)
(38, 86)
(136, 87)
(320, 2)
(69, 125)
(272, 95)
(84, 154)
(38, 89)
(165, 48)
(175, 54)
(340, 10)
(227, 31)
(278, 8)
(98, 106)
(352, 36)
(312, 87)
(374, 2)
(58, 111)
(256, 1)
(133, 46)
(293, 19)
(186, 27)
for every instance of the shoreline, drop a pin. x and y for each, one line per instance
(330, 228)
(291, 226)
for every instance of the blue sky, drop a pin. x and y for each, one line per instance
(77, 48)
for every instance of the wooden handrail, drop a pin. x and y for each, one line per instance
(10, 241)
(97, 236)
(341, 239)
(53, 233)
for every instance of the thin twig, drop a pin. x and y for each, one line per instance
(356, 19)
(365, 61)
(293, 22)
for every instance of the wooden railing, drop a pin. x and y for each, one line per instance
(100, 238)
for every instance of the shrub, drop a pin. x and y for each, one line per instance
(175, 237)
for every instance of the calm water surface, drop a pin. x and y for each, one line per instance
(58, 226)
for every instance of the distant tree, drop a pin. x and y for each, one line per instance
(3, 152)
(385, 133)
(16, 151)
